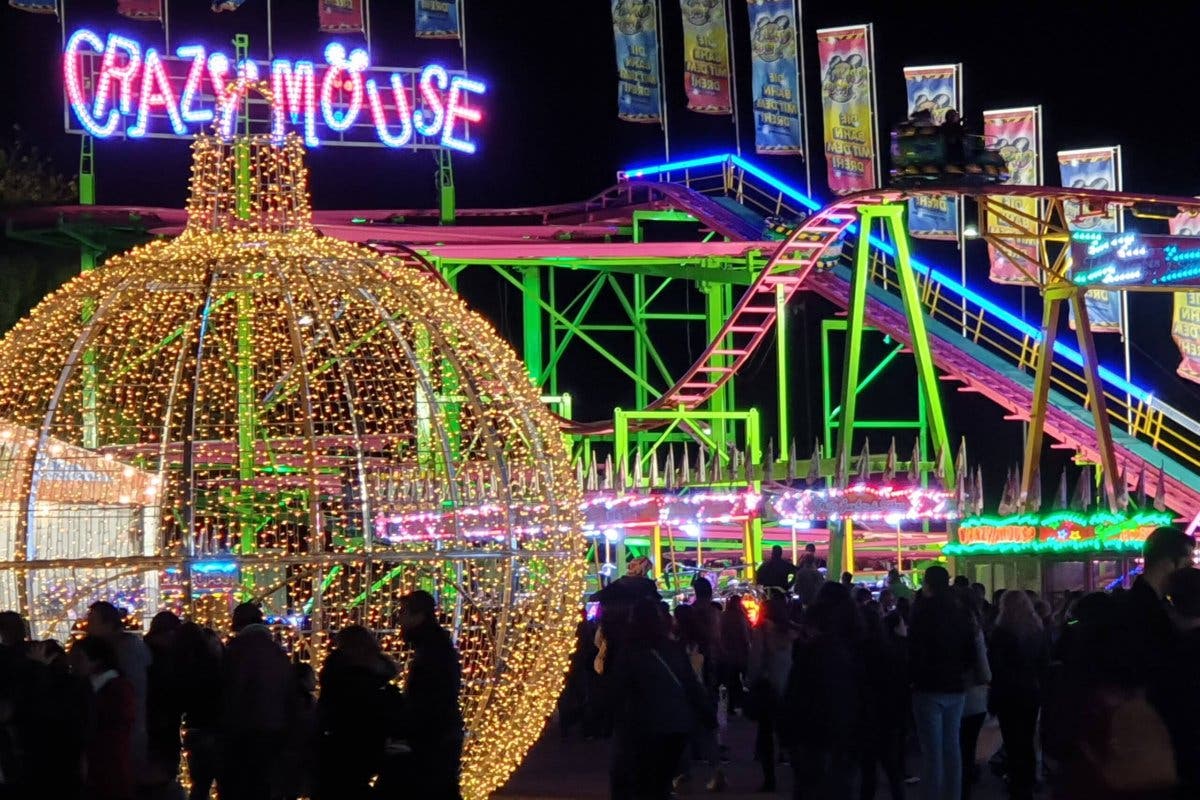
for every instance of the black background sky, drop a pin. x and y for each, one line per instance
(1104, 72)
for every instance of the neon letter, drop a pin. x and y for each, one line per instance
(401, 96)
(156, 95)
(218, 68)
(335, 55)
(294, 92)
(247, 74)
(189, 114)
(456, 111)
(74, 80)
(433, 101)
(123, 74)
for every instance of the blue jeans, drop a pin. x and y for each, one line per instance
(938, 717)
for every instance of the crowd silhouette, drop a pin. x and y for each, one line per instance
(856, 690)
(1096, 698)
(112, 716)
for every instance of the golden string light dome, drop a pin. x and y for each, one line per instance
(253, 410)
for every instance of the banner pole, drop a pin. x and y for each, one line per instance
(803, 97)
(961, 202)
(462, 32)
(662, 81)
(874, 104)
(733, 86)
(367, 23)
(1125, 332)
(166, 18)
(270, 40)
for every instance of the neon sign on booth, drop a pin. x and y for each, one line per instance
(194, 88)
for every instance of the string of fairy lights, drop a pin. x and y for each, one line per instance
(240, 406)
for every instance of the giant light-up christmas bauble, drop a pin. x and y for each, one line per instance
(254, 410)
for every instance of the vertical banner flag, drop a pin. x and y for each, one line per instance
(437, 19)
(1094, 168)
(141, 10)
(775, 77)
(1017, 134)
(36, 6)
(635, 26)
(1185, 322)
(937, 90)
(340, 16)
(848, 103)
(706, 56)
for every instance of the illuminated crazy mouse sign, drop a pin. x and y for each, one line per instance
(115, 87)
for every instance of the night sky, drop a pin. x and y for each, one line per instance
(1104, 73)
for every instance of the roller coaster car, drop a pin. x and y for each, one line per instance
(919, 158)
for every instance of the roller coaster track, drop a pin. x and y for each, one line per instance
(792, 267)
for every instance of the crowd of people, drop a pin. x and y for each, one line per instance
(1096, 698)
(110, 717)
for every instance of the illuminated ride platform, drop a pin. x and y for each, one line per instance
(709, 229)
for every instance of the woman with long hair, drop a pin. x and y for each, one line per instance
(657, 702)
(358, 710)
(1019, 655)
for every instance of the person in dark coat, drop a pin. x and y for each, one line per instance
(163, 700)
(823, 697)
(657, 701)
(198, 654)
(133, 660)
(1018, 653)
(435, 723)
(1144, 621)
(886, 703)
(808, 576)
(356, 714)
(109, 751)
(941, 651)
(1182, 591)
(776, 573)
(257, 692)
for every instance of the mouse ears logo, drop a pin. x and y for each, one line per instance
(1021, 160)
(844, 78)
(1081, 221)
(772, 37)
(698, 12)
(932, 103)
(633, 16)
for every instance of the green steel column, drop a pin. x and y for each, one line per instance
(245, 409)
(826, 388)
(910, 293)
(446, 200)
(640, 336)
(552, 295)
(855, 320)
(716, 312)
(531, 314)
(754, 548)
(87, 262)
(783, 430)
(855, 317)
(245, 328)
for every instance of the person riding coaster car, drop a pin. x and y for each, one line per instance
(923, 153)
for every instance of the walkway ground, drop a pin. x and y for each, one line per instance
(577, 770)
